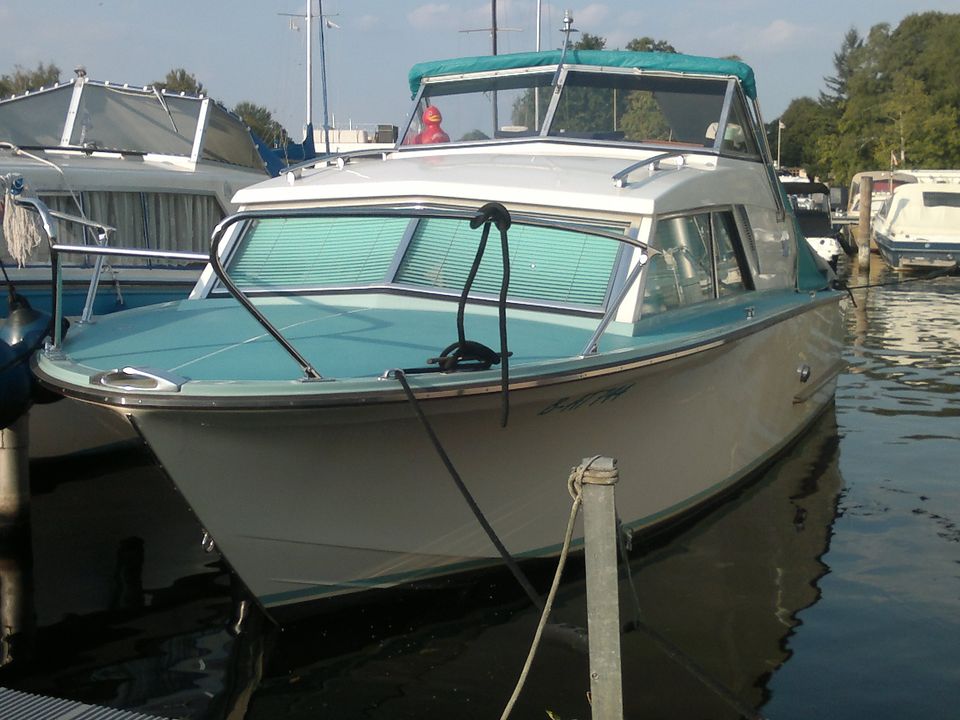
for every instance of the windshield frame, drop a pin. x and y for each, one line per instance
(561, 74)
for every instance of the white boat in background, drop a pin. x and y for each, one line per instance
(886, 181)
(159, 168)
(919, 226)
(811, 206)
(599, 260)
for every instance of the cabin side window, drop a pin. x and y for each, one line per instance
(698, 260)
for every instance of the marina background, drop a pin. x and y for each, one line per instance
(246, 51)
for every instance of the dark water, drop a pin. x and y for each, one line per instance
(830, 588)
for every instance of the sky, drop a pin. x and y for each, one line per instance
(252, 50)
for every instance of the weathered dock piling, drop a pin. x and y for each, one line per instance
(864, 230)
(14, 474)
(603, 600)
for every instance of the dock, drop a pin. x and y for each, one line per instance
(26, 706)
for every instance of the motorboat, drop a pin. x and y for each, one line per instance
(885, 182)
(159, 169)
(918, 227)
(393, 358)
(811, 207)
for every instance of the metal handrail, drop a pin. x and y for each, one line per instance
(218, 234)
(619, 180)
(47, 217)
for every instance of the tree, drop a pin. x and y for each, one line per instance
(805, 121)
(845, 62)
(179, 80)
(261, 122)
(23, 80)
(648, 44)
(590, 42)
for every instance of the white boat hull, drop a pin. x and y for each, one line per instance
(307, 504)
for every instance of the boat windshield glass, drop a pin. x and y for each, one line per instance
(481, 109)
(941, 199)
(599, 105)
(552, 265)
(37, 119)
(116, 118)
(227, 140)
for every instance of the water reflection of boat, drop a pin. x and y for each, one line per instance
(727, 592)
(645, 267)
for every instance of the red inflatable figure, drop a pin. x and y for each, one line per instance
(432, 132)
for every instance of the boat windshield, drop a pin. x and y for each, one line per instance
(116, 118)
(563, 266)
(586, 104)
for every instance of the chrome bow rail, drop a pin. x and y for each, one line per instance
(101, 250)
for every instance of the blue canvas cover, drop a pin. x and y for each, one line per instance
(668, 62)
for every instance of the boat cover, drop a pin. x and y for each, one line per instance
(667, 62)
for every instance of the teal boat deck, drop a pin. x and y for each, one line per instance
(361, 336)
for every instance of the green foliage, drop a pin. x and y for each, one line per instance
(648, 44)
(179, 80)
(261, 121)
(474, 135)
(894, 98)
(805, 122)
(22, 79)
(590, 42)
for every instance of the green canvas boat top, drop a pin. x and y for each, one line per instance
(650, 61)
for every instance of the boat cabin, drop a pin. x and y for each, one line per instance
(158, 167)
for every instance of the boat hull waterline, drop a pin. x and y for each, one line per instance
(312, 503)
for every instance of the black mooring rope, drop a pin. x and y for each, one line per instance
(478, 513)
(842, 284)
(932, 275)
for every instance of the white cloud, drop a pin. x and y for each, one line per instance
(777, 35)
(431, 16)
(366, 22)
(592, 15)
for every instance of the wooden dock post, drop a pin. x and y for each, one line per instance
(15, 474)
(603, 594)
(864, 230)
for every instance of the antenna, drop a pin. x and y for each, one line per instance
(493, 29)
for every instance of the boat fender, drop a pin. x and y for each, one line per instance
(23, 332)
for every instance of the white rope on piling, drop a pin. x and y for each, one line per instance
(574, 483)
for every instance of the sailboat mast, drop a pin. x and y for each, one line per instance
(309, 68)
(323, 81)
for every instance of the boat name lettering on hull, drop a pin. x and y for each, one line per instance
(566, 404)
